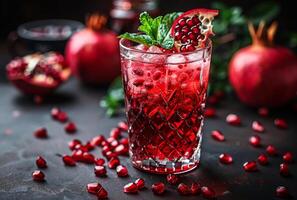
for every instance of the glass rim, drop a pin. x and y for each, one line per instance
(122, 45)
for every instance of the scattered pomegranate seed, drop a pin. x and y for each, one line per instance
(122, 171)
(209, 112)
(250, 166)
(208, 192)
(258, 127)
(38, 99)
(96, 141)
(88, 158)
(115, 133)
(89, 146)
(68, 160)
(77, 155)
(109, 155)
(100, 171)
(102, 194)
(41, 133)
(81, 147)
(183, 189)
(55, 113)
(113, 163)
(99, 162)
(195, 188)
(125, 141)
(114, 144)
(121, 150)
(263, 159)
(38, 175)
(105, 149)
(40, 162)
(73, 143)
(130, 188)
(158, 188)
(255, 141)
(233, 119)
(59, 115)
(172, 179)
(280, 123)
(282, 192)
(226, 158)
(70, 127)
(140, 183)
(93, 188)
(217, 135)
(271, 150)
(263, 112)
(288, 157)
(123, 126)
(284, 169)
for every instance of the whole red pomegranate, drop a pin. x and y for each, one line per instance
(263, 74)
(93, 53)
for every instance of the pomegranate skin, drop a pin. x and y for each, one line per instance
(264, 76)
(93, 56)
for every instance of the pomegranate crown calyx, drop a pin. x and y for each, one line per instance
(96, 21)
(261, 36)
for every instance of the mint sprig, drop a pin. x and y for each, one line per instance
(154, 31)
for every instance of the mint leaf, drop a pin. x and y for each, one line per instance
(138, 38)
(146, 23)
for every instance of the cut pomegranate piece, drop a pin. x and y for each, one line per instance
(183, 189)
(250, 166)
(73, 143)
(258, 127)
(99, 161)
(282, 192)
(93, 188)
(122, 171)
(140, 183)
(217, 135)
(263, 112)
(158, 188)
(226, 158)
(96, 141)
(263, 159)
(209, 112)
(38, 175)
(288, 157)
(255, 141)
(100, 171)
(68, 160)
(40, 162)
(233, 119)
(41, 133)
(123, 126)
(115, 133)
(208, 193)
(172, 179)
(284, 169)
(192, 29)
(70, 127)
(195, 188)
(113, 163)
(271, 150)
(102, 194)
(130, 188)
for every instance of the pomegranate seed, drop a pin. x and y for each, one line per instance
(38, 99)
(81, 147)
(99, 162)
(271, 150)
(284, 169)
(59, 115)
(100, 171)
(138, 71)
(122, 171)
(88, 158)
(138, 82)
(158, 188)
(183, 189)
(110, 140)
(55, 113)
(130, 188)
(77, 155)
(113, 163)
(282, 192)
(121, 150)
(258, 127)
(209, 112)
(115, 133)
(109, 155)
(93, 188)
(250, 166)
(264, 112)
(40, 162)
(125, 141)
(255, 141)
(114, 144)
(140, 183)
(288, 157)
(41, 133)
(280, 123)
(172, 179)
(105, 149)
(73, 143)
(208, 192)
(157, 75)
(89, 146)
(226, 158)
(195, 188)
(102, 194)
(96, 141)
(68, 160)
(217, 135)
(70, 127)
(123, 126)
(233, 119)
(263, 159)
(38, 175)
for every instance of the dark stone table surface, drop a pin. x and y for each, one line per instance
(19, 117)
